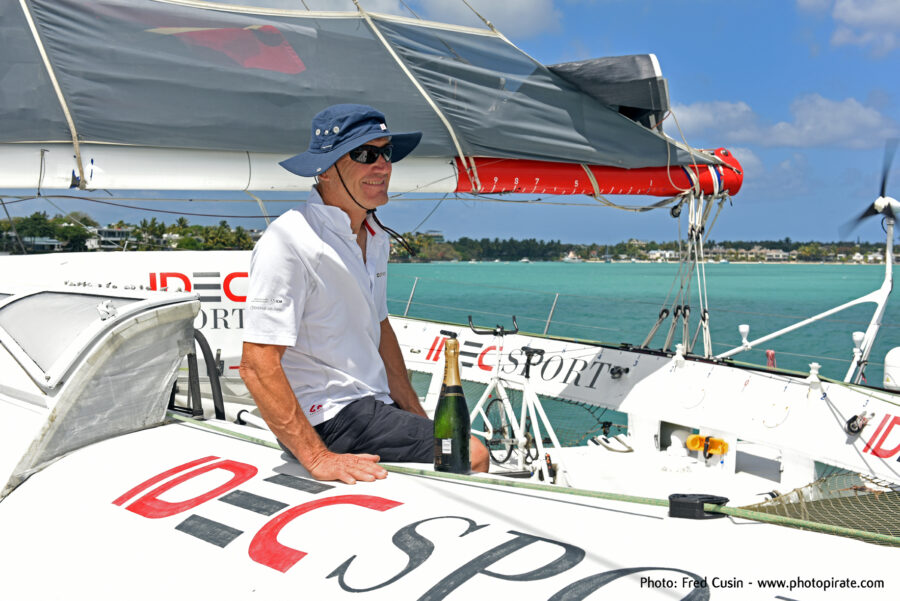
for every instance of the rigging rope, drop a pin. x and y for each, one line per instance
(12, 225)
(691, 256)
(428, 216)
(262, 206)
(59, 94)
(468, 162)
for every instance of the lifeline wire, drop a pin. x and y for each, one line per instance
(115, 204)
(69, 216)
(428, 216)
(12, 224)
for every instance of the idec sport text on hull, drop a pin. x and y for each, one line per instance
(550, 367)
(884, 436)
(264, 548)
(213, 287)
(210, 285)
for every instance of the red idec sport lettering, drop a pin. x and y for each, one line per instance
(265, 548)
(436, 347)
(160, 477)
(481, 363)
(226, 286)
(876, 448)
(164, 280)
(151, 506)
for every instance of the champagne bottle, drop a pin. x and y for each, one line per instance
(451, 418)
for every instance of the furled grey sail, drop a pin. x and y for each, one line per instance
(213, 76)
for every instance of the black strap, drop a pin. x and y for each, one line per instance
(371, 212)
(393, 234)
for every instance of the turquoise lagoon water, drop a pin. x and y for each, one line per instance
(619, 302)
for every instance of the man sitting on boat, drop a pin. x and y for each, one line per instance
(320, 356)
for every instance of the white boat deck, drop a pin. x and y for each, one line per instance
(243, 522)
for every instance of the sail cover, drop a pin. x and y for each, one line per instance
(213, 76)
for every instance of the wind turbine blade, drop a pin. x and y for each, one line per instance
(854, 223)
(890, 147)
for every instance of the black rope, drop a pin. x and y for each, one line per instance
(393, 234)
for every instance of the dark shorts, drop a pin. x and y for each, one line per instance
(369, 426)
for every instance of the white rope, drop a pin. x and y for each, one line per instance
(594, 185)
(722, 198)
(469, 163)
(701, 275)
(688, 273)
(59, 94)
(262, 207)
(608, 203)
(486, 22)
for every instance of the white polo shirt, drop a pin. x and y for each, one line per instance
(311, 291)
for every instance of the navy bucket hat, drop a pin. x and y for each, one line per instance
(339, 129)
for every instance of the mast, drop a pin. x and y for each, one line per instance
(880, 297)
(113, 167)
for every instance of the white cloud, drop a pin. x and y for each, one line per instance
(789, 175)
(871, 23)
(817, 122)
(515, 18)
(881, 42)
(717, 116)
(752, 164)
(868, 14)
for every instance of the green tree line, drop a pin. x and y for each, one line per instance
(430, 248)
(76, 229)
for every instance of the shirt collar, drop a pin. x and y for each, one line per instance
(330, 217)
(334, 218)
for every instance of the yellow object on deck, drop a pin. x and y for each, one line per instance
(707, 444)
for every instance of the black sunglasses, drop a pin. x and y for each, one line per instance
(368, 154)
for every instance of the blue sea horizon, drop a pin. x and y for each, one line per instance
(620, 302)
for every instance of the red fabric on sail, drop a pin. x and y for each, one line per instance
(256, 47)
(541, 177)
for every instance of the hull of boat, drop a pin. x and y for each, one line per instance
(179, 512)
(109, 494)
(778, 426)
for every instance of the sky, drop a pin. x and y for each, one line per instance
(803, 92)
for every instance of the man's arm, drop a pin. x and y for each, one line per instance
(398, 381)
(265, 379)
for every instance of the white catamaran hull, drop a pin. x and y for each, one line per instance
(104, 497)
(777, 426)
(178, 512)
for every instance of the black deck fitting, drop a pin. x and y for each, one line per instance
(691, 506)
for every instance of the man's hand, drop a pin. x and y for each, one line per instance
(265, 379)
(345, 467)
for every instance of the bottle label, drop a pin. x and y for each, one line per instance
(446, 446)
